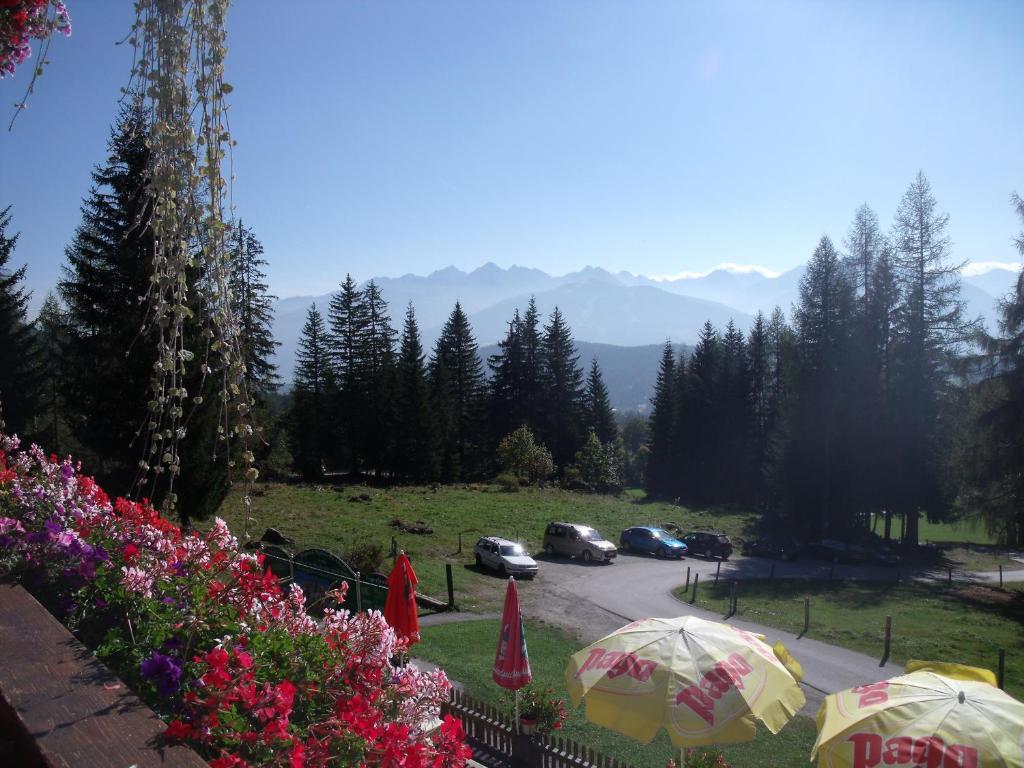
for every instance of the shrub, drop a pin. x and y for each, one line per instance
(519, 454)
(508, 482)
(365, 555)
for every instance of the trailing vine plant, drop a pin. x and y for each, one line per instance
(178, 71)
(21, 21)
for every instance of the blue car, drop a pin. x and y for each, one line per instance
(653, 540)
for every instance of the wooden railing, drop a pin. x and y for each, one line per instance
(483, 723)
(489, 729)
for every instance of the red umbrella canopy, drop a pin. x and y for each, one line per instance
(511, 662)
(400, 606)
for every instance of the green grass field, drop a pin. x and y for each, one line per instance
(323, 516)
(970, 530)
(966, 624)
(466, 651)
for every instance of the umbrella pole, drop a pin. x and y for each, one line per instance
(517, 711)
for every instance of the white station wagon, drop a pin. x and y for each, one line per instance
(504, 556)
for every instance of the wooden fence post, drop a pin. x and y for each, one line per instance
(732, 599)
(888, 640)
(687, 577)
(359, 592)
(1000, 575)
(718, 570)
(451, 586)
(807, 616)
(696, 581)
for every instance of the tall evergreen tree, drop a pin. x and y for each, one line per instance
(761, 406)
(735, 472)
(659, 462)
(414, 455)
(819, 482)
(931, 329)
(458, 383)
(51, 332)
(562, 381)
(376, 382)
(507, 403)
(348, 318)
(19, 365)
(108, 271)
(311, 398)
(254, 311)
(531, 387)
(597, 408)
(993, 454)
(703, 376)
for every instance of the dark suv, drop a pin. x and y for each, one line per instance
(708, 544)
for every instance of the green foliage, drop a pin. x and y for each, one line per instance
(254, 310)
(364, 555)
(599, 464)
(19, 364)
(508, 482)
(520, 455)
(313, 392)
(109, 265)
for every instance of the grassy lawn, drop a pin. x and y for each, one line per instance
(970, 530)
(325, 517)
(967, 624)
(466, 651)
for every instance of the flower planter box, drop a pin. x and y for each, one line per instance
(61, 707)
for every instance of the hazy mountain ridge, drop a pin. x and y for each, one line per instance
(602, 308)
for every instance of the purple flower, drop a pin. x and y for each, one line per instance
(163, 671)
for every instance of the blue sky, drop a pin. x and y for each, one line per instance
(380, 138)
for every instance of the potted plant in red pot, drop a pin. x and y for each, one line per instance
(540, 711)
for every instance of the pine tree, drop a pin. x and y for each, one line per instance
(508, 404)
(761, 406)
(703, 377)
(254, 310)
(348, 318)
(562, 382)
(311, 398)
(107, 373)
(376, 381)
(459, 387)
(51, 334)
(819, 480)
(414, 457)
(930, 333)
(659, 462)
(530, 381)
(19, 365)
(993, 454)
(597, 409)
(735, 481)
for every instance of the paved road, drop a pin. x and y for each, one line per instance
(597, 599)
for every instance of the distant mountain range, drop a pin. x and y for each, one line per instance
(607, 311)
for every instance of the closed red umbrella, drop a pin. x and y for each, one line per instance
(512, 662)
(400, 606)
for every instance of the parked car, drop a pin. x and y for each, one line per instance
(655, 541)
(837, 551)
(709, 544)
(580, 541)
(504, 556)
(778, 547)
(881, 553)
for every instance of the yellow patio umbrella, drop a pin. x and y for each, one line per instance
(935, 716)
(703, 681)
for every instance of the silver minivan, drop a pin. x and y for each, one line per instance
(580, 541)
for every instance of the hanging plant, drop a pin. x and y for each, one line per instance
(179, 72)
